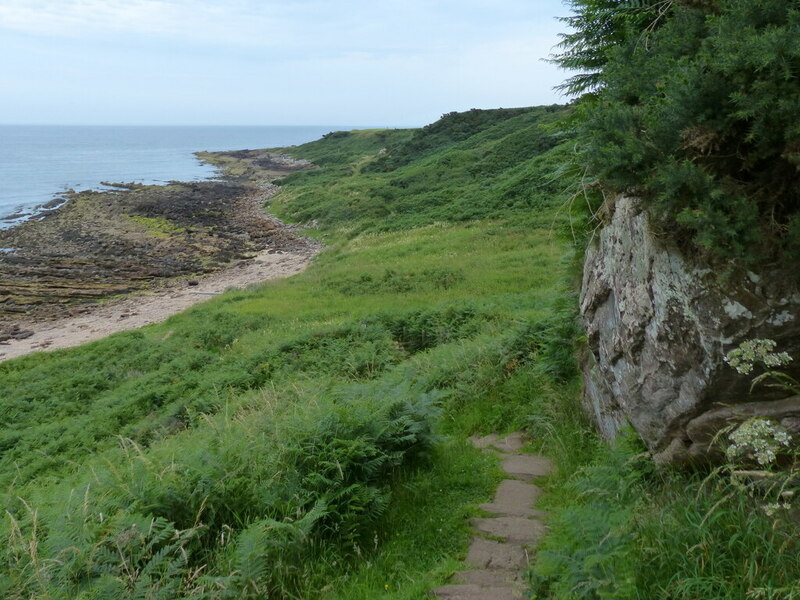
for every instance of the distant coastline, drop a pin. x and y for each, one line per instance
(39, 164)
(98, 245)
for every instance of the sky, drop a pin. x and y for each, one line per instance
(381, 63)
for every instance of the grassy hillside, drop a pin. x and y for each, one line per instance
(503, 164)
(307, 438)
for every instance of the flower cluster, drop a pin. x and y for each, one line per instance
(754, 352)
(758, 438)
(775, 507)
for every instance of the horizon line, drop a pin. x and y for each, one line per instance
(317, 125)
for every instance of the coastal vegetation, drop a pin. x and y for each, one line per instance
(692, 106)
(688, 105)
(308, 438)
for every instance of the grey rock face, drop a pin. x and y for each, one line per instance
(658, 328)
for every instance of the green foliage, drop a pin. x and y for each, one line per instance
(479, 164)
(291, 441)
(427, 518)
(269, 491)
(697, 115)
(452, 128)
(735, 551)
(592, 553)
(624, 531)
(118, 555)
(342, 149)
(142, 388)
(552, 343)
(599, 27)
(394, 282)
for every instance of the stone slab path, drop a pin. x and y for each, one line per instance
(499, 549)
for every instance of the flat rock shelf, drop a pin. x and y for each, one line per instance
(500, 548)
(118, 259)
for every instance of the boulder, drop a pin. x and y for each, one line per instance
(659, 324)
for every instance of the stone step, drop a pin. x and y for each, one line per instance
(474, 592)
(486, 577)
(513, 442)
(515, 498)
(527, 466)
(495, 567)
(503, 511)
(511, 529)
(482, 443)
(488, 554)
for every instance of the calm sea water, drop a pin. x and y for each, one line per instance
(37, 163)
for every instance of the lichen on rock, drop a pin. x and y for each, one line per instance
(659, 324)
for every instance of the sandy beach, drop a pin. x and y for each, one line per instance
(142, 309)
(106, 262)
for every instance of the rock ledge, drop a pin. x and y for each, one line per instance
(658, 327)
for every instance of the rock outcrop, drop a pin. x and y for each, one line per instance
(659, 325)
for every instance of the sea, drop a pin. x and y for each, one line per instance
(39, 163)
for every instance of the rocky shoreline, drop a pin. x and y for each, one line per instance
(103, 244)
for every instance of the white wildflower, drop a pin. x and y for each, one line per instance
(771, 509)
(758, 438)
(756, 352)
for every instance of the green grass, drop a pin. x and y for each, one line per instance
(305, 438)
(327, 321)
(421, 527)
(505, 165)
(622, 529)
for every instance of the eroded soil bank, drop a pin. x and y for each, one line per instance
(76, 262)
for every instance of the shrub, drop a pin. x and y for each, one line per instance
(696, 112)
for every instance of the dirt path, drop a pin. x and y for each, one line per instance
(499, 549)
(143, 309)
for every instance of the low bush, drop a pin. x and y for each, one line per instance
(267, 491)
(623, 530)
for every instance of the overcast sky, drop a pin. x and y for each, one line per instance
(269, 62)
